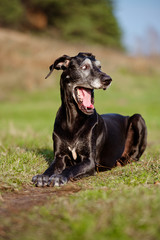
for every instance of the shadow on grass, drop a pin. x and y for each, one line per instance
(46, 153)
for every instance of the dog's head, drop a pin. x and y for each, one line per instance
(82, 74)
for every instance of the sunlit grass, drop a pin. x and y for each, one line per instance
(119, 204)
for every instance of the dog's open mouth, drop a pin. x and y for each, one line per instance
(85, 99)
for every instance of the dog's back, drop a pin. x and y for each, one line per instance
(84, 140)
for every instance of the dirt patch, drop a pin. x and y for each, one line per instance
(32, 196)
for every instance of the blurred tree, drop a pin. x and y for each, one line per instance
(90, 20)
(11, 12)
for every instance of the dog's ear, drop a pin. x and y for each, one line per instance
(60, 63)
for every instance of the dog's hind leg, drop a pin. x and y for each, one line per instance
(136, 140)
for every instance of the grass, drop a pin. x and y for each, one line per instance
(119, 204)
(100, 213)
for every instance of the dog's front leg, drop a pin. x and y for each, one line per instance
(54, 169)
(87, 167)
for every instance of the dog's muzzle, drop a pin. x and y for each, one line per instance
(106, 81)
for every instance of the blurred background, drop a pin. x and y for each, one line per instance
(124, 36)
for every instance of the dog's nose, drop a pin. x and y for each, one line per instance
(106, 80)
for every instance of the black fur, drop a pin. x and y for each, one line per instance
(83, 139)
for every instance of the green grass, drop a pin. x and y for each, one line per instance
(119, 204)
(127, 213)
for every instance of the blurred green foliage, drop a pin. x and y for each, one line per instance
(11, 12)
(91, 20)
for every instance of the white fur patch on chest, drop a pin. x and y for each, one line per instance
(73, 151)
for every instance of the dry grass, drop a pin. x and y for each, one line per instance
(25, 59)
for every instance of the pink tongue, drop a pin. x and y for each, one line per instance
(85, 95)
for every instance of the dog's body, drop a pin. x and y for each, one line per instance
(83, 139)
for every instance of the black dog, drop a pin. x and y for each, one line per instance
(83, 139)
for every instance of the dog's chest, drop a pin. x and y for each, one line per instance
(73, 152)
(77, 150)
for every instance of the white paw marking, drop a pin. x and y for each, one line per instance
(56, 184)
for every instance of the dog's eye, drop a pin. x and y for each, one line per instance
(84, 67)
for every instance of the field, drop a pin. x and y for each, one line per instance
(123, 203)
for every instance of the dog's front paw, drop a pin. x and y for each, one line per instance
(40, 180)
(57, 180)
